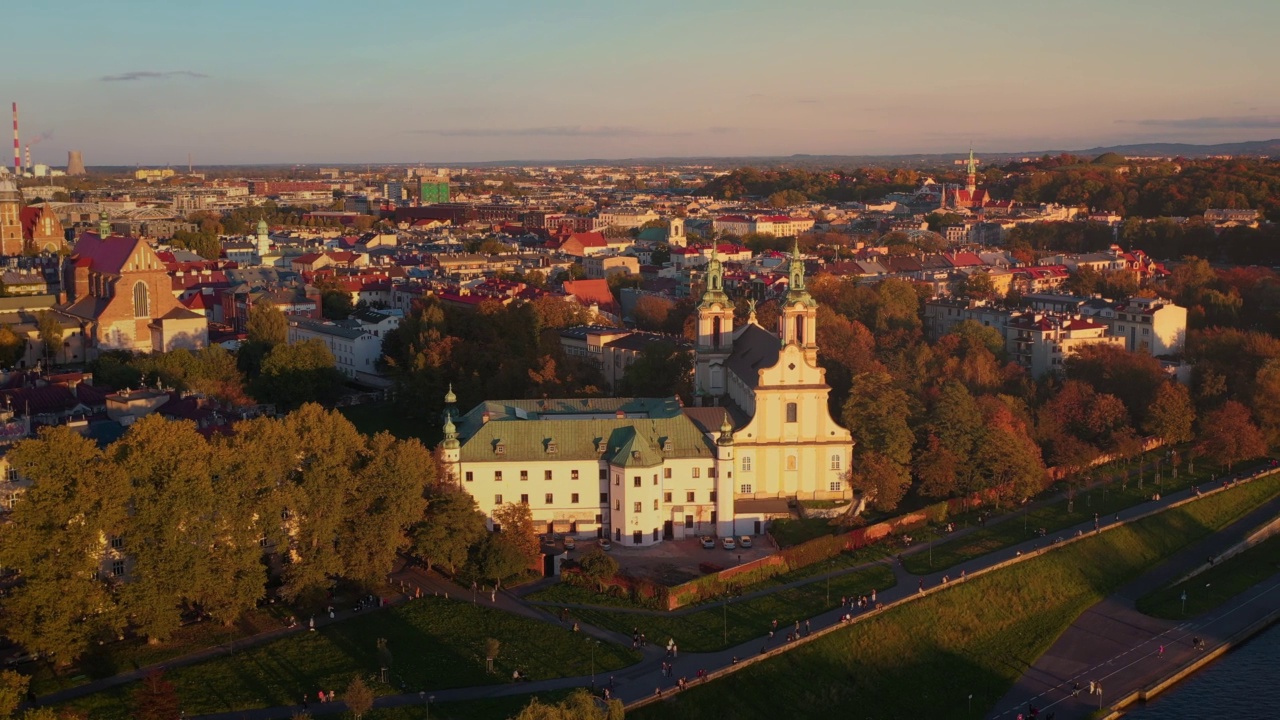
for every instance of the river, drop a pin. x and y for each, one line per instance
(1245, 683)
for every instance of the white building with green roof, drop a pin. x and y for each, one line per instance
(644, 470)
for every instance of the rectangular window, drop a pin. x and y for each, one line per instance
(666, 497)
(617, 479)
(604, 497)
(655, 503)
(713, 496)
(546, 474)
(835, 462)
(635, 481)
(497, 476)
(524, 499)
(117, 542)
(604, 474)
(637, 537)
(655, 478)
(524, 475)
(636, 507)
(688, 496)
(574, 498)
(550, 499)
(497, 499)
(697, 472)
(688, 522)
(744, 488)
(792, 412)
(835, 486)
(711, 472)
(117, 568)
(469, 478)
(617, 505)
(573, 475)
(666, 473)
(746, 463)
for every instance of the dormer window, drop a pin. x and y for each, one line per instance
(666, 445)
(635, 454)
(500, 449)
(551, 447)
(602, 447)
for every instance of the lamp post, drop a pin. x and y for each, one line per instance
(593, 665)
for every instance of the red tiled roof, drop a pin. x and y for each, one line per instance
(105, 256)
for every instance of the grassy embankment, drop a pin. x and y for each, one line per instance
(1105, 500)
(925, 658)
(1216, 585)
(705, 630)
(433, 643)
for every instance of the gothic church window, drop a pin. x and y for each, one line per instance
(141, 300)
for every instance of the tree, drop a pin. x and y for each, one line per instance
(876, 413)
(13, 690)
(499, 558)
(1228, 435)
(1172, 414)
(12, 347)
(266, 324)
(392, 481)
(879, 480)
(49, 330)
(650, 312)
(297, 373)
(598, 566)
(452, 528)
(491, 648)
(156, 698)
(580, 705)
(358, 697)
(787, 198)
(1265, 400)
(168, 533)
(325, 456)
(662, 369)
(205, 244)
(516, 521)
(64, 602)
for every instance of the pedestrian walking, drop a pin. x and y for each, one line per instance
(873, 595)
(1075, 689)
(313, 623)
(920, 590)
(1092, 685)
(806, 627)
(1161, 651)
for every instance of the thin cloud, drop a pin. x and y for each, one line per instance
(1240, 122)
(153, 75)
(550, 131)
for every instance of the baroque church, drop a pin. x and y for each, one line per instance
(643, 470)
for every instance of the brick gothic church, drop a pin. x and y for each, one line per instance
(26, 230)
(121, 293)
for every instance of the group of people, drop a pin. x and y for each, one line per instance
(638, 640)
(331, 696)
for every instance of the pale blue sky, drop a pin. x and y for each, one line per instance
(237, 81)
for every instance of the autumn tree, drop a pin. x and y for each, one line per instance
(451, 529)
(266, 324)
(49, 331)
(579, 705)
(392, 483)
(156, 698)
(13, 690)
(516, 521)
(55, 538)
(1172, 414)
(661, 369)
(358, 697)
(297, 373)
(1228, 435)
(12, 347)
(598, 566)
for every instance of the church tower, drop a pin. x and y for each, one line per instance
(10, 218)
(715, 331)
(263, 240)
(971, 179)
(798, 323)
(450, 449)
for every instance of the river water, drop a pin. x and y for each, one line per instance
(1245, 683)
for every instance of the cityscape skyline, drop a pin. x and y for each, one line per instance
(135, 83)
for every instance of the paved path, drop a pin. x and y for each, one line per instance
(644, 681)
(1114, 644)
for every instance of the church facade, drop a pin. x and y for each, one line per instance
(644, 470)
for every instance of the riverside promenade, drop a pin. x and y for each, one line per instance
(1113, 644)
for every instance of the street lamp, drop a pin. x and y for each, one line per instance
(593, 665)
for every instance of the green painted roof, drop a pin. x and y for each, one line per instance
(654, 429)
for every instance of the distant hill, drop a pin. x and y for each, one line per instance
(1253, 147)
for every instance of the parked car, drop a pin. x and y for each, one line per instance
(569, 543)
(605, 544)
(744, 541)
(728, 543)
(708, 543)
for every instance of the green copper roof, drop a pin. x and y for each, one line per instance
(714, 292)
(796, 290)
(542, 430)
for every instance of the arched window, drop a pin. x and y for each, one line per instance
(791, 462)
(715, 333)
(799, 329)
(791, 412)
(835, 462)
(141, 300)
(746, 463)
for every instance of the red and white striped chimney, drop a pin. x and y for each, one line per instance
(17, 151)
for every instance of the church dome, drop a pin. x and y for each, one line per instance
(9, 191)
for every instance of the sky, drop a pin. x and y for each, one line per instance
(427, 81)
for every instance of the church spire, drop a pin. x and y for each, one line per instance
(796, 290)
(714, 291)
(971, 179)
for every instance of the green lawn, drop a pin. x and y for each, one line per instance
(434, 644)
(495, 709)
(372, 418)
(924, 659)
(1106, 500)
(1216, 585)
(793, 531)
(704, 630)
